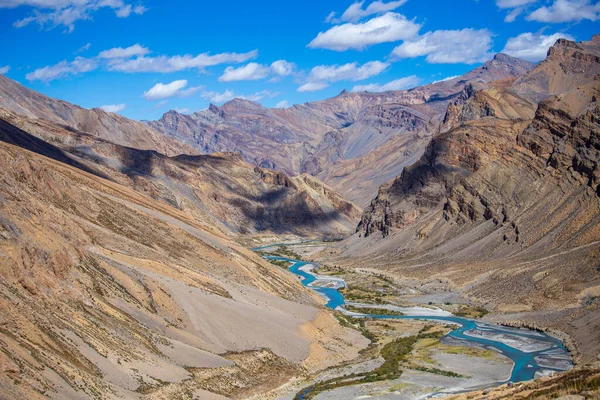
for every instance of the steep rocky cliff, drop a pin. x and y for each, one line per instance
(480, 126)
(503, 205)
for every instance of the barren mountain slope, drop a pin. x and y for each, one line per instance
(106, 292)
(506, 209)
(108, 126)
(340, 140)
(221, 190)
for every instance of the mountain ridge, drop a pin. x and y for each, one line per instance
(220, 189)
(96, 121)
(334, 139)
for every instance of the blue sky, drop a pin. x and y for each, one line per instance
(143, 58)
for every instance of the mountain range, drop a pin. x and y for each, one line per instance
(122, 249)
(353, 142)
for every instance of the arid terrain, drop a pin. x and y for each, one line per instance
(105, 289)
(127, 267)
(503, 207)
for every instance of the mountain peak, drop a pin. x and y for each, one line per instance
(241, 104)
(503, 65)
(503, 57)
(240, 100)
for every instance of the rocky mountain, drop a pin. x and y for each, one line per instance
(504, 203)
(97, 122)
(117, 284)
(121, 269)
(353, 142)
(221, 190)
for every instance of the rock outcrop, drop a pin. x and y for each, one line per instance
(481, 126)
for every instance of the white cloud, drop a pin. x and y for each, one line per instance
(467, 46)
(512, 16)
(397, 84)
(217, 97)
(449, 78)
(514, 3)
(163, 91)
(566, 11)
(322, 75)
(126, 11)
(66, 12)
(356, 12)
(282, 104)
(390, 27)
(282, 67)
(517, 6)
(260, 95)
(113, 108)
(177, 63)
(4, 70)
(134, 59)
(346, 72)
(248, 72)
(254, 71)
(119, 52)
(313, 87)
(84, 48)
(183, 110)
(174, 89)
(531, 46)
(160, 104)
(62, 70)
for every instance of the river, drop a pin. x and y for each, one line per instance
(532, 352)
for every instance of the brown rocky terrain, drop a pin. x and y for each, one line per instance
(504, 205)
(351, 142)
(121, 269)
(97, 122)
(109, 291)
(221, 190)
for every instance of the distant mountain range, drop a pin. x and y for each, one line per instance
(353, 142)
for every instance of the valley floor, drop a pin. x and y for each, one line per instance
(435, 365)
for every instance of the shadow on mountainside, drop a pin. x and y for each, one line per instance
(12, 135)
(285, 218)
(135, 161)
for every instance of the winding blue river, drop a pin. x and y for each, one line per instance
(530, 351)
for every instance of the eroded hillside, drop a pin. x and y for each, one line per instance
(107, 292)
(221, 190)
(97, 122)
(504, 204)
